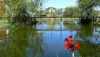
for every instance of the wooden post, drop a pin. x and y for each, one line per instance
(73, 54)
(51, 23)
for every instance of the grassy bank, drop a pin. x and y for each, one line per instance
(63, 19)
(55, 20)
(4, 23)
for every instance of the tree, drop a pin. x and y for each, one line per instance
(2, 8)
(71, 12)
(23, 9)
(40, 13)
(86, 8)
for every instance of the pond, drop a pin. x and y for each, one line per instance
(47, 40)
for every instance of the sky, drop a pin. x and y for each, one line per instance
(60, 3)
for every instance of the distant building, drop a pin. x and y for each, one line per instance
(59, 12)
(51, 12)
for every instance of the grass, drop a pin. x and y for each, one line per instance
(3, 23)
(48, 20)
(69, 19)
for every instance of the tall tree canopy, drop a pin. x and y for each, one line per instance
(71, 12)
(86, 8)
(22, 9)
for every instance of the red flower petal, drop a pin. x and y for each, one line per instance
(66, 46)
(77, 46)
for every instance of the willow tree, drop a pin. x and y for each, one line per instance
(86, 9)
(22, 9)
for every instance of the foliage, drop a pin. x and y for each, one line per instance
(2, 9)
(71, 12)
(86, 6)
(22, 9)
(97, 2)
(40, 13)
(4, 23)
(86, 10)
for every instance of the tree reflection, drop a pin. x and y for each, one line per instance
(83, 35)
(85, 31)
(72, 27)
(21, 41)
(87, 49)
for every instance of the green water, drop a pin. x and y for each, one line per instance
(47, 40)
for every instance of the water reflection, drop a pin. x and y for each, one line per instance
(28, 41)
(22, 42)
(88, 42)
(42, 26)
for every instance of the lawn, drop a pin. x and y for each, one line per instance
(57, 19)
(3, 23)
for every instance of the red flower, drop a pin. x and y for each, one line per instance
(77, 45)
(70, 36)
(68, 40)
(66, 46)
(70, 44)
